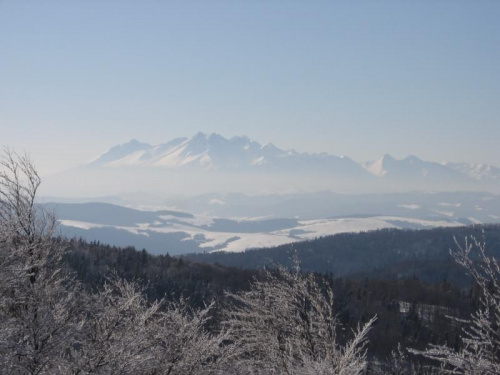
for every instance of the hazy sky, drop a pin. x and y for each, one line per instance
(359, 78)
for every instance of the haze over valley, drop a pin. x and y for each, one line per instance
(210, 193)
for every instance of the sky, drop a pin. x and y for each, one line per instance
(355, 78)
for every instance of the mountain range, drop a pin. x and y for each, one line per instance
(208, 163)
(214, 152)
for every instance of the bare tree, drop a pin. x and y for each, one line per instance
(51, 326)
(286, 324)
(480, 353)
(37, 307)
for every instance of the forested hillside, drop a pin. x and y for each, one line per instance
(383, 254)
(409, 311)
(405, 277)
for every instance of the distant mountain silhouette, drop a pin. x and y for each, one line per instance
(213, 152)
(207, 163)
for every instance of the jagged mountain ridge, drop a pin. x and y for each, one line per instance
(413, 168)
(218, 153)
(480, 172)
(214, 152)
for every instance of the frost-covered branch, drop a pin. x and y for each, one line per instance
(38, 304)
(286, 324)
(480, 353)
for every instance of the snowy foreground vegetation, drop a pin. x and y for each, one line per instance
(286, 323)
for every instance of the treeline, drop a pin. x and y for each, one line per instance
(162, 275)
(389, 254)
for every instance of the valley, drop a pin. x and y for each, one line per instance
(246, 222)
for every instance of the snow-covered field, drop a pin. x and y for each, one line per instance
(243, 222)
(200, 229)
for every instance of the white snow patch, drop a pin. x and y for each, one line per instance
(317, 228)
(177, 157)
(136, 231)
(200, 220)
(258, 161)
(242, 219)
(409, 206)
(244, 241)
(129, 160)
(80, 224)
(377, 168)
(445, 213)
(172, 159)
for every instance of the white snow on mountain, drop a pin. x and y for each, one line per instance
(410, 167)
(212, 151)
(377, 167)
(238, 156)
(119, 152)
(478, 172)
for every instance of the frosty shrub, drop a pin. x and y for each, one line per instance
(286, 324)
(125, 334)
(185, 345)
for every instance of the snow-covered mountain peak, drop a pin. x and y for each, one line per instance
(199, 135)
(476, 171)
(411, 168)
(271, 148)
(213, 151)
(120, 151)
(241, 154)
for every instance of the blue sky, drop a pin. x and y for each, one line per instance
(356, 78)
